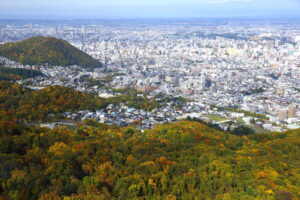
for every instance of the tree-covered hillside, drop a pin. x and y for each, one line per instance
(184, 160)
(47, 50)
(19, 103)
(13, 74)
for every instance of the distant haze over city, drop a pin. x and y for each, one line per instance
(121, 9)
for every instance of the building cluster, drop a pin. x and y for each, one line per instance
(253, 68)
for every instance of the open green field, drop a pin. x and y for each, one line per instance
(240, 120)
(257, 129)
(216, 118)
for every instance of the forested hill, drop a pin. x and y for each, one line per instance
(47, 50)
(19, 103)
(184, 160)
(13, 74)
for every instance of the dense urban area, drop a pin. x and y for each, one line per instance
(224, 73)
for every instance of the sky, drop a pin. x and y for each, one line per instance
(107, 9)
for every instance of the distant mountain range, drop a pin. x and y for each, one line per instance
(47, 50)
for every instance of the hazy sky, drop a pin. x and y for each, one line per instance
(76, 9)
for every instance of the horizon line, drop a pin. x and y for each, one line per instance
(146, 18)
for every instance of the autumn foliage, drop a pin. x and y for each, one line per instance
(47, 50)
(172, 161)
(19, 103)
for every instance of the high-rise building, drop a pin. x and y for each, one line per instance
(283, 114)
(279, 91)
(291, 111)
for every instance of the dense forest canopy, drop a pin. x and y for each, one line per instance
(17, 102)
(13, 74)
(47, 50)
(184, 160)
